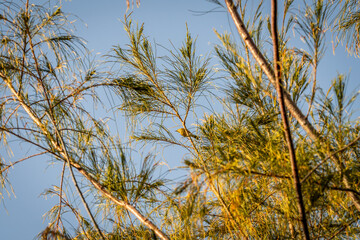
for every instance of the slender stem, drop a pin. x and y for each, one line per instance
(342, 229)
(60, 195)
(19, 161)
(328, 157)
(313, 90)
(84, 201)
(285, 120)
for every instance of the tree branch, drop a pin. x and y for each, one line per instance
(20, 160)
(329, 156)
(285, 120)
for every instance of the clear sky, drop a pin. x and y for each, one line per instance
(101, 27)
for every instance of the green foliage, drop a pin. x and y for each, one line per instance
(238, 182)
(347, 25)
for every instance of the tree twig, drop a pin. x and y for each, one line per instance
(285, 120)
(21, 160)
(60, 195)
(342, 229)
(328, 157)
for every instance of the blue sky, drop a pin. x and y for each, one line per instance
(101, 27)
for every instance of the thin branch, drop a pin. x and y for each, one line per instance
(60, 195)
(31, 142)
(255, 173)
(313, 90)
(262, 201)
(270, 175)
(290, 144)
(21, 160)
(342, 189)
(84, 201)
(329, 156)
(342, 229)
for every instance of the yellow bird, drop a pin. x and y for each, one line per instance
(186, 133)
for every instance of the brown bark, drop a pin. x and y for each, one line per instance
(289, 141)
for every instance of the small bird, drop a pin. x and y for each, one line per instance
(186, 133)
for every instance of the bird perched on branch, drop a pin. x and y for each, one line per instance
(186, 133)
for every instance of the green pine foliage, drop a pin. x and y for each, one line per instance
(238, 180)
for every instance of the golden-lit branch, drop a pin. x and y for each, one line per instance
(287, 131)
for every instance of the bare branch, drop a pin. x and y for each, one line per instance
(21, 160)
(290, 144)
